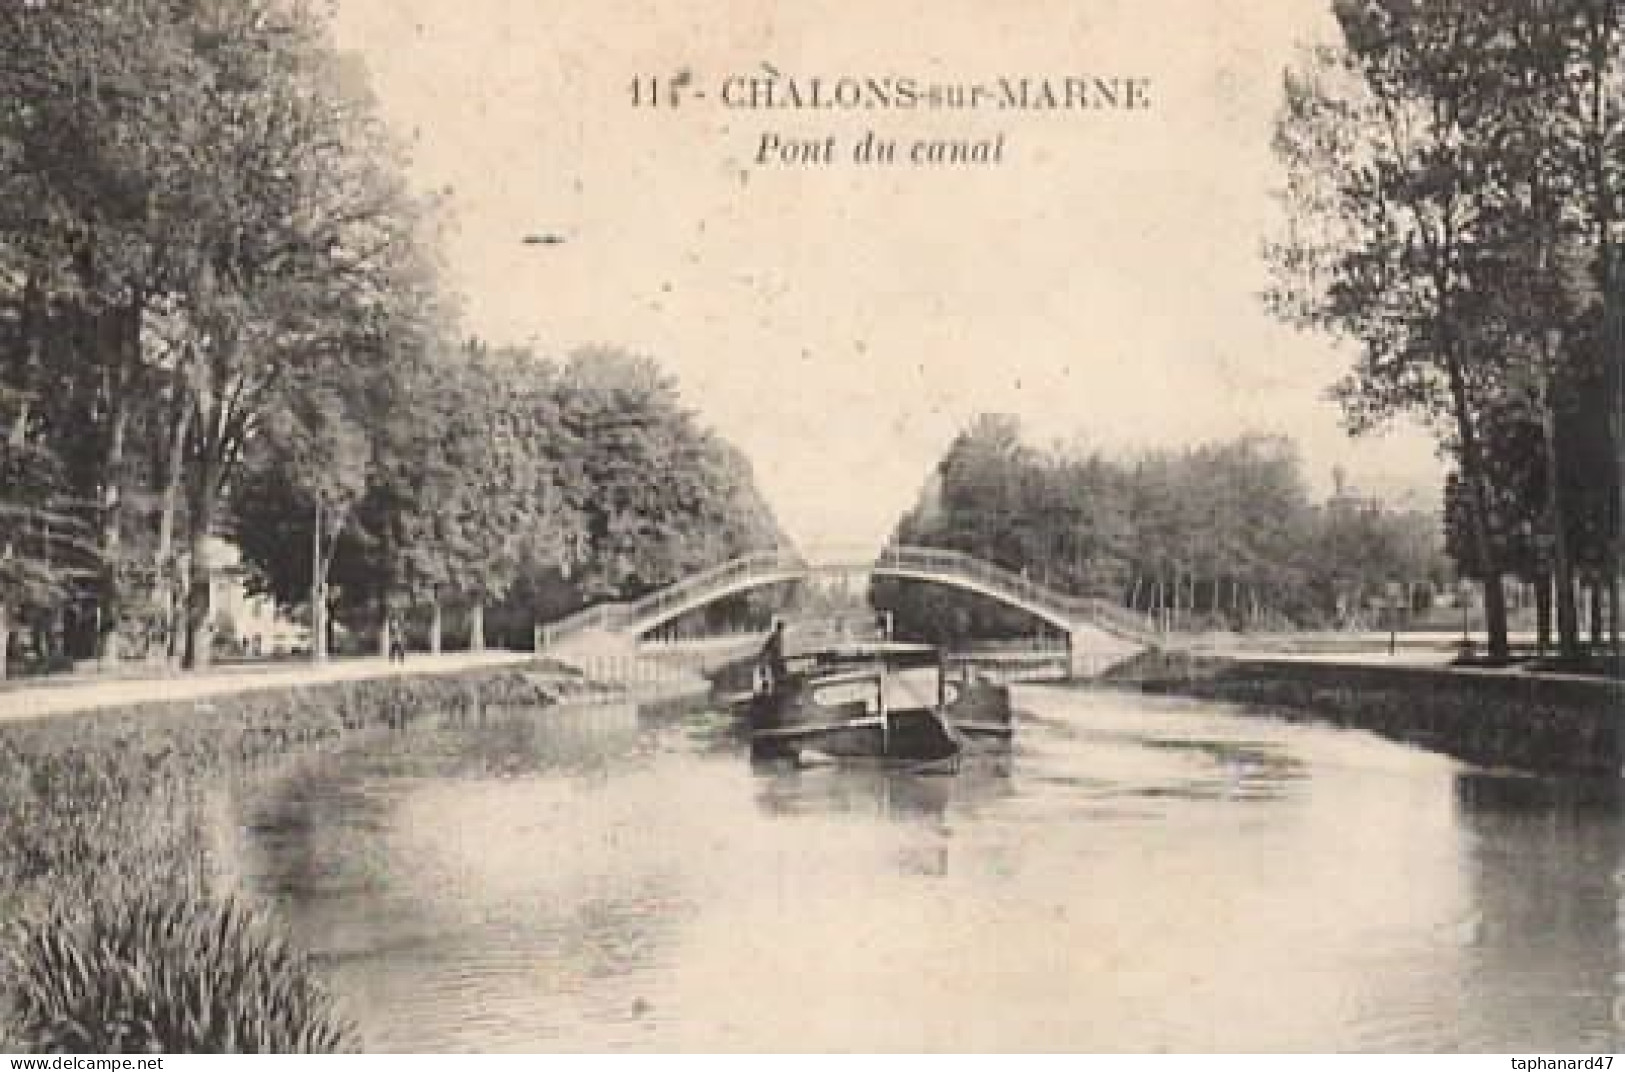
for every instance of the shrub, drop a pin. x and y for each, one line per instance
(165, 971)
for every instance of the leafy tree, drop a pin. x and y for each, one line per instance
(220, 314)
(45, 548)
(653, 489)
(1385, 208)
(1454, 191)
(306, 241)
(93, 131)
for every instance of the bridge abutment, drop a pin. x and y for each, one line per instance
(1092, 651)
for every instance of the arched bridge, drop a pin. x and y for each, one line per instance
(1097, 629)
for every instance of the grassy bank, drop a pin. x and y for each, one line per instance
(116, 936)
(1540, 724)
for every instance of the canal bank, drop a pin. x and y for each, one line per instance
(106, 869)
(1139, 873)
(1539, 723)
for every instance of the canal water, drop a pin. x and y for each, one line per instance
(1136, 874)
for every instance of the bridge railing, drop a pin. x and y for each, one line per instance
(928, 561)
(1009, 583)
(604, 617)
(613, 616)
(758, 565)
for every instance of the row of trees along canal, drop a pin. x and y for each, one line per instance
(1223, 536)
(1455, 185)
(221, 315)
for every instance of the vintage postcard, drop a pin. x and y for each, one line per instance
(923, 526)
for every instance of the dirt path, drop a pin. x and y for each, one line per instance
(54, 698)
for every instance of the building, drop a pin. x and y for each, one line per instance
(249, 622)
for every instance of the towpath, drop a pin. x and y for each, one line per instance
(89, 692)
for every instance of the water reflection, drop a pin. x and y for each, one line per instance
(1547, 932)
(1133, 874)
(788, 790)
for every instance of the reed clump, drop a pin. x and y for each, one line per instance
(113, 933)
(167, 971)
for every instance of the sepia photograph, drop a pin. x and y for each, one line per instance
(748, 527)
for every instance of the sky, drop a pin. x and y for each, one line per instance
(841, 322)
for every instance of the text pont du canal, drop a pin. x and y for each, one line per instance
(785, 150)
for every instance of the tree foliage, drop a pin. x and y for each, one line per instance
(1453, 184)
(222, 315)
(1223, 535)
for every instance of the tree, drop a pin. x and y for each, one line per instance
(1218, 535)
(1387, 198)
(305, 239)
(1454, 187)
(636, 469)
(199, 212)
(92, 132)
(45, 548)
(487, 506)
(313, 449)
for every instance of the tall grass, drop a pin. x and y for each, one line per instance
(112, 935)
(164, 971)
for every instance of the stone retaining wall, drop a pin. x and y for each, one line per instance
(1539, 723)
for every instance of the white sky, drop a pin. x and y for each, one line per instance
(841, 324)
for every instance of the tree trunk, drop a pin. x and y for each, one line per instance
(199, 652)
(1603, 43)
(476, 626)
(1568, 623)
(1543, 614)
(1473, 475)
(1614, 340)
(109, 596)
(17, 438)
(1594, 605)
(318, 591)
(318, 622)
(118, 338)
(168, 582)
(385, 627)
(436, 625)
(1613, 620)
(199, 596)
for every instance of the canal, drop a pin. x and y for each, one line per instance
(1137, 874)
